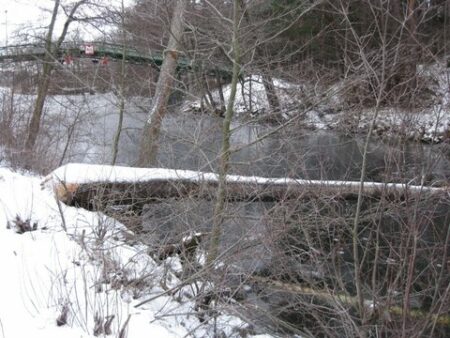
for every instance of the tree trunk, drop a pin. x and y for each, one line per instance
(159, 184)
(149, 140)
(298, 290)
(272, 98)
(121, 93)
(51, 51)
(115, 145)
(402, 28)
(414, 49)
(219, 207)
(35, 123)
(208, 94)
(220, 89)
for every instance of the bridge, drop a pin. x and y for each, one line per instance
(100, 51)
(94, 51)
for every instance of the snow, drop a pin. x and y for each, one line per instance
(257, 102)
(429, 124)
(80, 173)
(88, 268)
(321, 107)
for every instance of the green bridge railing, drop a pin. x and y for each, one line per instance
(36, 52)
(31, 52)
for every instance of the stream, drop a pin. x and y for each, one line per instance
(249, 230)
(193, 142)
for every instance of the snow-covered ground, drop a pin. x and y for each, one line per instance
(84, 276)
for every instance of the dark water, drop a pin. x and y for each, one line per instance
(193, 142)
(189, 142)
(250, 230)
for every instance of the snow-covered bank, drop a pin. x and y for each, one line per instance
(320, 107)
(82, 278)
(251, 96)
(429, 126)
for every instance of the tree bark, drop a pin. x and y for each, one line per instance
(35, 123)
(101, 194)
(220, 89)
(150, 136)
(272, 98)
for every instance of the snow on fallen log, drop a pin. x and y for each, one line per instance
(96, 186)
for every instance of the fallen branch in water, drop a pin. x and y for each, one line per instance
(345, 299)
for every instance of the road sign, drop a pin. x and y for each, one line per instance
(89, 49)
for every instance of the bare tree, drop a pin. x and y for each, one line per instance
(226, 134)
(149, 141)
(51, 50)
(121, 89)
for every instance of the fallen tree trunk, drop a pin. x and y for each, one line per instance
(344, 299)
(96, 187)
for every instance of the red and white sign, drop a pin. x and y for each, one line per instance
(89, 49)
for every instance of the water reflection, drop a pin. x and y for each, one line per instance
(193, 142)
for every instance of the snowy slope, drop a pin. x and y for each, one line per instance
(87, 271)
